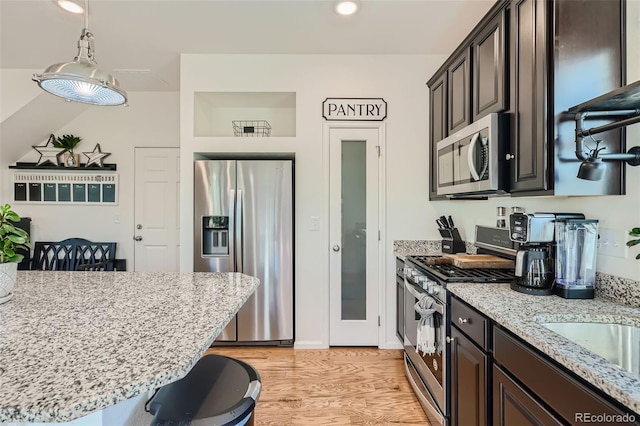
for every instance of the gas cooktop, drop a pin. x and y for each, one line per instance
(446, 272)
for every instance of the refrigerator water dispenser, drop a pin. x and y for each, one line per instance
(215, 235)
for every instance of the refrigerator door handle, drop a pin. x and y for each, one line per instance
(231, 239)
(238, 231)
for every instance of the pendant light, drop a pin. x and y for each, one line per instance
(81, 80)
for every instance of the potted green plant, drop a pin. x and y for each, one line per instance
(12, 238)
(635, 232)
(68, 142)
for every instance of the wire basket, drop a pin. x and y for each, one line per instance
(251, 128)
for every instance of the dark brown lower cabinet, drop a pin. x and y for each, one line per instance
(497, 378)
(570, 398)
(512, 405)
(469, 382)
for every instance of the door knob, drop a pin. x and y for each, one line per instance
(138, 238)
(336, 248)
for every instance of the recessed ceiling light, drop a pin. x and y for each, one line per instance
(71, 6)
(346, 7)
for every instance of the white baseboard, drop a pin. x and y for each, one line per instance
(310, 344)
(394, 344)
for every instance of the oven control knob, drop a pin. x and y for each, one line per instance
(419, 279)
(407, 272)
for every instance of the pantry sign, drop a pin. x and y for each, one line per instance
(354, 109)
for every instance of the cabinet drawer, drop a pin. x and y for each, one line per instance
(548, 382)
(470, 322)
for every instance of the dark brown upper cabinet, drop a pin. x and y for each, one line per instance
(437, 127)
(535, 59)
(459, 92)
(557, 62)
(529, 156)
(488, 59)
(470, 84)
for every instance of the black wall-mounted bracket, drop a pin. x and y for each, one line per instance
(632, 156)
(622, 102)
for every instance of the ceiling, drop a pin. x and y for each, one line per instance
(140, 41)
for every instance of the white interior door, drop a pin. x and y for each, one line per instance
(354, 236)
(157, 232)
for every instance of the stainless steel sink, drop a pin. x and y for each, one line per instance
(617, 343)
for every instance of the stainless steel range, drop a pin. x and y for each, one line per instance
(426, 280)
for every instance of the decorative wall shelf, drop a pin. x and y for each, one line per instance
(65, 187)
(81, 168)
(627, 97)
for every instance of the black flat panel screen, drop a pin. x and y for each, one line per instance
(64, 192)
(79, 193)
(109, 193)
(93, 192)
(35, 192)
(20, 191)
(49, 192)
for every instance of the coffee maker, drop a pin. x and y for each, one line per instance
(535, 259)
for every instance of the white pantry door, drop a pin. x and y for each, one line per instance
(157, 207)
(354, 232)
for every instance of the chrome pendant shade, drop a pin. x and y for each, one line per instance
(81, 80)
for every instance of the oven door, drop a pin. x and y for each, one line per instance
(429, 368)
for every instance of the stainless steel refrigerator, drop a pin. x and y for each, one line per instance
(244, 222)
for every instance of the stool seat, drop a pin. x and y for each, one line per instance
(217, 391)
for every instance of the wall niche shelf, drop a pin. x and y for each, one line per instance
(49, 167)
(215, 112)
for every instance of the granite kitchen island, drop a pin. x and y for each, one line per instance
(72, 343)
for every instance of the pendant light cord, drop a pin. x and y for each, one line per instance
(86, 14)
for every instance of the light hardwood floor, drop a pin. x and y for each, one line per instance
(337, 386)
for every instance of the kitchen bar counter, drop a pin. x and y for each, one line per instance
(75, 342)
(522, 315)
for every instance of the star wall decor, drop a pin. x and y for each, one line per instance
(48, 152)
(96, 156)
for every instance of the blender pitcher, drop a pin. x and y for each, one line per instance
(576, 258)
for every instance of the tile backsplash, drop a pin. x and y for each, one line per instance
(620, 290)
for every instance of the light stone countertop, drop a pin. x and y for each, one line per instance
(523, 313)
(75, 342)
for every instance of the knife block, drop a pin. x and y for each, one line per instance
(451, 241)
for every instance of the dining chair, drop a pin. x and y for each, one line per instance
(90, 252)
(106, 265)
(53, 255)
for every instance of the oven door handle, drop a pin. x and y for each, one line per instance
(436, 306)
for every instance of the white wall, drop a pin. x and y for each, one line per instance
(399, 79)
(151, 121)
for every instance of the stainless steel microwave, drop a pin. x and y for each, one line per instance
(471, 161)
